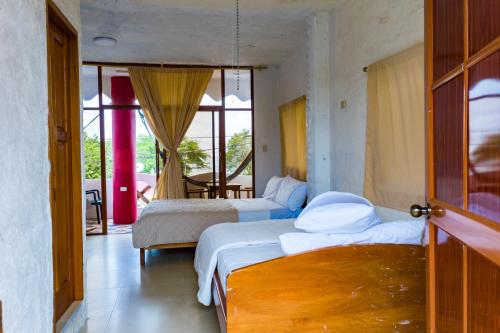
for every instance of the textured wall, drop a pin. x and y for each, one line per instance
(292, 77)
(363, 31)
(267, 163)
(26, 288)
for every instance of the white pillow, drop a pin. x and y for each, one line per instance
(338, 218)
(286, 196)
(272, 187)
(410, 232)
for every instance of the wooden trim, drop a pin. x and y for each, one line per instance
(221, 306)
(55, 14)
(330, 290)
(448, 77)
(154, 65)
(465, 287)
(252, 97)
(465, 130)
(102, 143)
(484, 53)
(431, 279)
(142, 250)
(222, 139)
(457, 210)
(478, 236)
(429, 128)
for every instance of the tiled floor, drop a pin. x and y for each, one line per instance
(161, 297)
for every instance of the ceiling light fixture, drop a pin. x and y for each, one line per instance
(105, 41)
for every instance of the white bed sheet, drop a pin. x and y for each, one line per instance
(258, 209)
(232, 235)
(231, 259)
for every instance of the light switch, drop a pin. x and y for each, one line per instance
(264, 148)
(123, 189)
(343, 104)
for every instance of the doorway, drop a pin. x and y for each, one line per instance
(64, 155)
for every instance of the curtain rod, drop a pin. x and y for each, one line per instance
(134, 64)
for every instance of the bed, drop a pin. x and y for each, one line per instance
(256, 287)
(179, 223)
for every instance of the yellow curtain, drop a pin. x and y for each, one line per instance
(170, 99)
(293, 139)
(395, 152)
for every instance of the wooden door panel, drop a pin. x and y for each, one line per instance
(449, 282)
(484, 294)
(484, 138)
(448, 142)
(60, 179)
(483, 28)
(449, 39)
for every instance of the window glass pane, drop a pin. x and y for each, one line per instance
(213, 93)
(107, 74)
(238, 98)
(90, 87)
(197, 152)
(238, 153)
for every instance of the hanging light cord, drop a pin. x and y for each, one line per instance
(237, 55)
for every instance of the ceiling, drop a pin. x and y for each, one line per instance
(196, 31)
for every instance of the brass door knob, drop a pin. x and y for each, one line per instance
(417, 211)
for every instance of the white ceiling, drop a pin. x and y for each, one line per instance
(196, 31)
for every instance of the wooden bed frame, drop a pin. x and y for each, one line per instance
(363, 288)
(162, 247)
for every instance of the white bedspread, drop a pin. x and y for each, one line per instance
(232, 259)
(179, 221)
(227, 235)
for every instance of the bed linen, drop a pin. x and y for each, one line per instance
(409, 232)
(231, 259)
(183, 220)
(179, 221)
(223, 236)
(261, 209)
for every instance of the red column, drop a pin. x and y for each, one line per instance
(124, 178)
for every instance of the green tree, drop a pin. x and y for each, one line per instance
(192, 156)
(238, 147)
(146, 153)
(92, 156)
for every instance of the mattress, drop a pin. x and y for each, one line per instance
(183, 220)
(261, 209)
(231, 259)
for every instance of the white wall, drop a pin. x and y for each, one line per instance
(292, 77)
(267, 163)
(26, 284)
(363, 32)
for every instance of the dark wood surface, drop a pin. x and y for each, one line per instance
(371, 288)
(483, 27)
(448, 136)
(449, 38)
(484, 294)
(464, 244)
(449, 283)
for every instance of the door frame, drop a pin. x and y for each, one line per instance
(55, 14)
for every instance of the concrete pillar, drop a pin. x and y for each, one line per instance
(318, 104)
(124, 176)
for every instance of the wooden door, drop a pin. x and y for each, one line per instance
(463, 154)
(64, 155)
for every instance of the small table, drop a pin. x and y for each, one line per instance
(214, 188)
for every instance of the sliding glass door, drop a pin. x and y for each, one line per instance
(216, 154)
